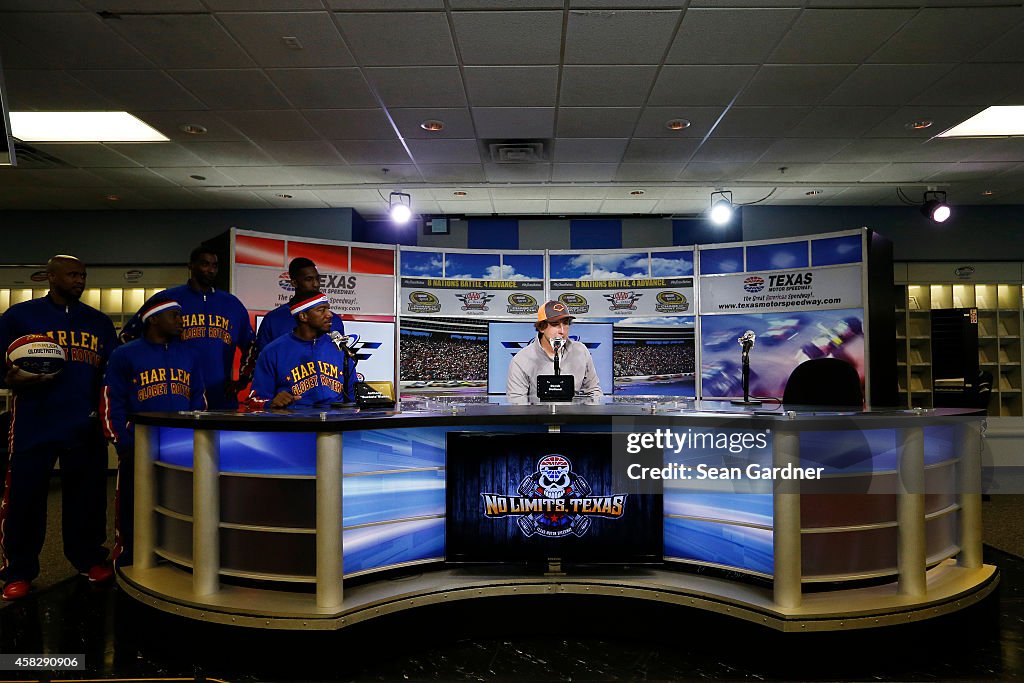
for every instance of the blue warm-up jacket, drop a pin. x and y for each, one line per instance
(312, 370)
(62, 411)
(146, 377)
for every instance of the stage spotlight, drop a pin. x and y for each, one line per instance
(721, 208)
(400, 207)
(935, 207)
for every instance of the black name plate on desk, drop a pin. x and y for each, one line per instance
(556, 387)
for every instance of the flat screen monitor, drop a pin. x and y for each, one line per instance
(526, 498)
(505, 339)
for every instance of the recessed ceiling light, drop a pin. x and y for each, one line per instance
(637, 193)
(197, 177)
(460, 193)
(283, 196)
(82, 126)
(994, 122)
(988, 193)
(812, 193)
(677, 124)
(433, 125)
(919, 125)
(192, 129)
(112, 198)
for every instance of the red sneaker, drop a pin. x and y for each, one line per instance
(99, 573)
(16, 590)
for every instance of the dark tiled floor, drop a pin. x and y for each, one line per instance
(569, 639)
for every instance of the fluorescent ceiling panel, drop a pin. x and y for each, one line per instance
(993, 122)
(81, 126)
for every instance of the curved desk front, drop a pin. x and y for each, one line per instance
(256, 519)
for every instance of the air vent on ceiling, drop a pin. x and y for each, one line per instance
(30, 157)
(518, 151)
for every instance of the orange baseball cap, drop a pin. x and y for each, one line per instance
(553, 311)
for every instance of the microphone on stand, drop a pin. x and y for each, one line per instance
(556, 344)
(342, 342)
(746, 343)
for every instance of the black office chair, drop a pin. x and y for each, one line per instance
(824, 382)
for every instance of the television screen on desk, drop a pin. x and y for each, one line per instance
(526, 498)
(505, 339)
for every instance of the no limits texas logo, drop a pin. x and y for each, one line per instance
(554, 501)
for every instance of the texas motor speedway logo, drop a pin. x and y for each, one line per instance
(554, 501)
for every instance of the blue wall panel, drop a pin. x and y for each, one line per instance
(599, 234)
(488, 233)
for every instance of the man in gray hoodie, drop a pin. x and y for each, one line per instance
(537, 358)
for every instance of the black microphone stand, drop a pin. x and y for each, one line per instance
(745, 358)
(556, 349)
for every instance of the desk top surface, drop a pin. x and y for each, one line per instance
(624, 412)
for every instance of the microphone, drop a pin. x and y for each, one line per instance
(747, 340)
(556, 344)
(340, 340)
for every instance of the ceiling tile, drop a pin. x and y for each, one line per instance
(954, 34)
(363, 5)
(876, 149)
(589, 150)
(596, 122)
(638, 172)
(513, 173)
(660, 149)
(769, 172)
(262, 36)
(478, 207)
(712, 170)
(457, 123)
(131, 89)
(840, 122)
(131, 177)
(945, 150)
(580, 192)
(205, 176)
(520, 206)
(86, 155)
(398, 38)
(943, 118)
(372, 151)
(271, 125)
(793, 84)
(998, 150)
(82, 40)
(293, 199)
(324, 88)
(60, 177)
(619, 37)
(681, 206)
(350, 124)
(629, 206)
(29, 90)
(1009, 48)
(419, 86)
(804, 149)
(517, 38)
(760, 121)
(699, 85)
(265, 175)
(981, 84)
(263, 5)
(302, 153)
(388, 175)
(607, 86)
(170, 122)
(879, 84)
(723, 150)
(814, 34)
(506, 4)
(323, 175)
(511, 86)
(445, 151)
(574, 206)
(452, 173)
(729, 36)
(229, 153)
(845, 172)
(232, 88)
(181, 41)
(513, 123)
(653, 120)
(970, 172)
(152, 155)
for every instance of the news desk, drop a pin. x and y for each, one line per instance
(255, 519)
